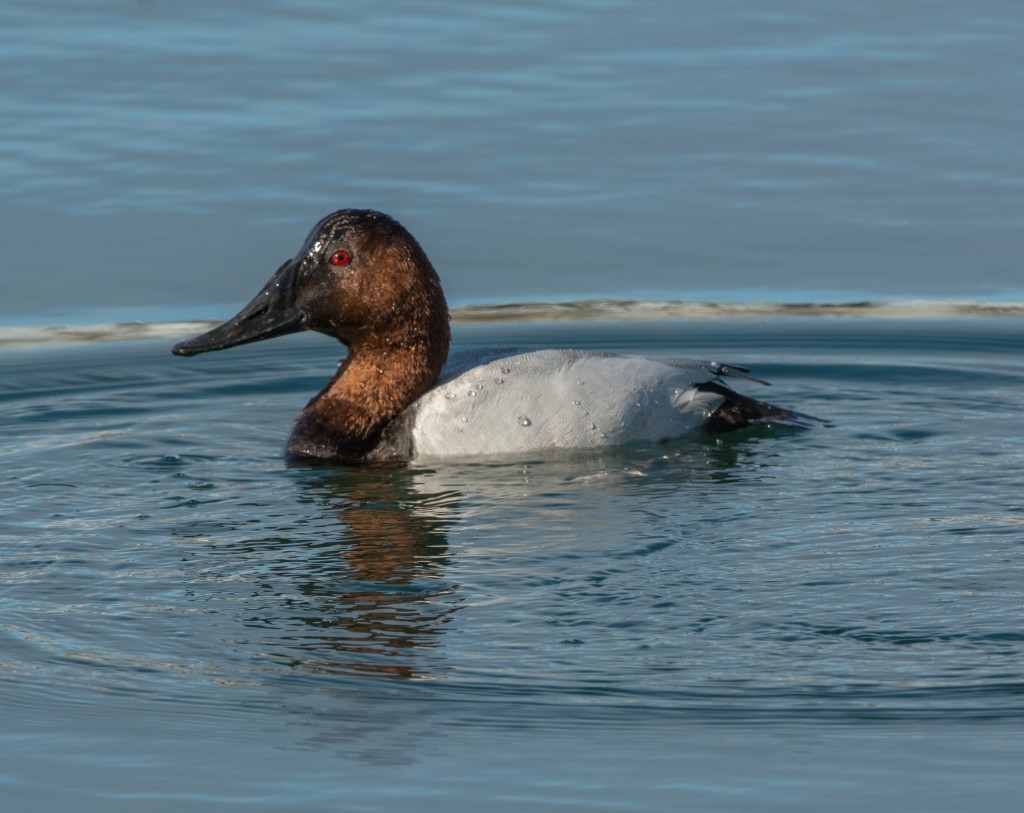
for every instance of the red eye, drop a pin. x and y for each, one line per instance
(340, 258)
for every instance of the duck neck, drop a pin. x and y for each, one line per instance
(373, 385)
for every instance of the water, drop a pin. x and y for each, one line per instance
(167, 154)
(770, 618)
(782, 621)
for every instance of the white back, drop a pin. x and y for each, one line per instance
(561, 399)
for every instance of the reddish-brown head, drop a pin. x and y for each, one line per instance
(365, 280)
(360, 277)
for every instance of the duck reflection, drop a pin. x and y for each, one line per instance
(375, 553)
(379, 585)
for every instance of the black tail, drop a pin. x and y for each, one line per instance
(739, 411)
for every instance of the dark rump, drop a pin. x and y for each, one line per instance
(739, 411)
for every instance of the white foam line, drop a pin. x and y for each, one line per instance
(667, 309)
(28, 336)
(585, 310)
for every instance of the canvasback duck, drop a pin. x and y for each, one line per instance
(362, 278)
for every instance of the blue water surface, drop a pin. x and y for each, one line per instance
(780, 619)
(171, 153)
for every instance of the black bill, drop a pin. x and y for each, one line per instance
(272, 312)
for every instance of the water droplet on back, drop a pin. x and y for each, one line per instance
(524, 421)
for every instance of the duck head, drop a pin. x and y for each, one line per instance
(360, 276)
